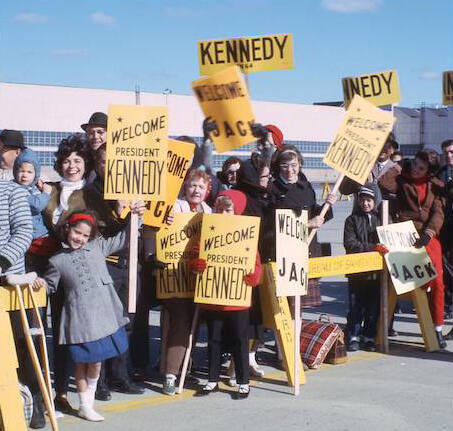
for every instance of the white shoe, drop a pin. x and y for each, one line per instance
(256, 371)
(232, 382)
(89, 414)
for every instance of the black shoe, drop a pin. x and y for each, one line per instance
(127, 387)
(441, 340)
(62, 405)
(449, 336)
(38, 419)
(103, 394)
(353, 346)
(392, 333)
(369, 346)
(202, 392)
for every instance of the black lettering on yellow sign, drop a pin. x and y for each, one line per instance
(243, 51)
(349, 155)
(160, 209)
(292, 228)
(229, 238)
(368, 85)
(211, 93)
(126, 176)
(144, 128)
(176, 280)
(447, 88)
(182, 235)
(222, 283)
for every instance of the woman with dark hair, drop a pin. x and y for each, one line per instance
(420, 198)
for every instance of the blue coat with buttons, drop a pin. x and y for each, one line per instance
(91, 309)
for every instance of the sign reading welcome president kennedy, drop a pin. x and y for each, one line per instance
(378, 88)
(291, 253)
(176, 246)
(228, 244)
(136, 155)
(359, 140)
(223, 97)
(409, 267)
(251, 54)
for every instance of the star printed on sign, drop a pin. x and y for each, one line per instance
(120, 120)
(212, 228)
(157, 139)
(247, 249)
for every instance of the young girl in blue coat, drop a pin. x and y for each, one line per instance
(92, 318)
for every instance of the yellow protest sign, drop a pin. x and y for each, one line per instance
(175, 246)
(276, 311)
(229, 246)
(359, 140)
(291, 253)
(378, 88)
(409, 267)
(447, 88)
(251, 54)
(344, 264)
(224, 98)
(136, 155)
(8, 296)
(179, 156)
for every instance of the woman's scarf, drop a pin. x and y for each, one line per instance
(67, 188)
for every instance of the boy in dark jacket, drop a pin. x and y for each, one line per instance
(360, 236)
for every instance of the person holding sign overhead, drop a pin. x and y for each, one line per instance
(228, 325)
(420, 198)
(178, 312)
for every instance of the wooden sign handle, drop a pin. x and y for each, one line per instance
(133, 258)
(384, 292)
(297, 326)
(326, 206)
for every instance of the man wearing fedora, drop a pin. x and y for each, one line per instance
(11, 145)
(96, 130)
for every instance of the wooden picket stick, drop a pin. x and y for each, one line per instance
(297, 326)
(185, 364)
(326, 206)
(384, 341)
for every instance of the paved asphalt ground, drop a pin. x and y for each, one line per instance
(408, 389)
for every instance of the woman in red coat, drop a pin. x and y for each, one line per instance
(421, 199)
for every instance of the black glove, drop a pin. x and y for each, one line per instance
(154, 263)
(422, 241)
(208, 127)
(259, 131)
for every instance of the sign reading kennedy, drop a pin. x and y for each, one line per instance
(379, 88)
(136, 156)
(359, 140)
(251, 54)
(409, 267)
(291, 253)
(229, 245)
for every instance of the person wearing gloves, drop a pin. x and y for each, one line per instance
(228, 325)
(79, 269)
(360, 236)
(420, 198)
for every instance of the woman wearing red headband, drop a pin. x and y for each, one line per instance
(92, 317)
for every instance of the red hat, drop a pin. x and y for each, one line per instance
(277, 135)
(239, 199)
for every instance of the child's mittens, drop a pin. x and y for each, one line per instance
(251, 279)
(381, 248)
(197, 265)
(423, 241)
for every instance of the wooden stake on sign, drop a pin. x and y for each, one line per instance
(297, 327)
(326, 206)
(133, 247)
(384, 341)
(185, 364)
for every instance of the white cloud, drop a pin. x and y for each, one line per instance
(69, 52)
(429, 75)
(102, 18)
(351, 6)
(31, 18)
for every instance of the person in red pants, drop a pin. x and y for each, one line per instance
(421, 199)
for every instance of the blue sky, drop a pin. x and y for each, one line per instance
(119, 43)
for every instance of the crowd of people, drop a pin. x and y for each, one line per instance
(77, 244)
